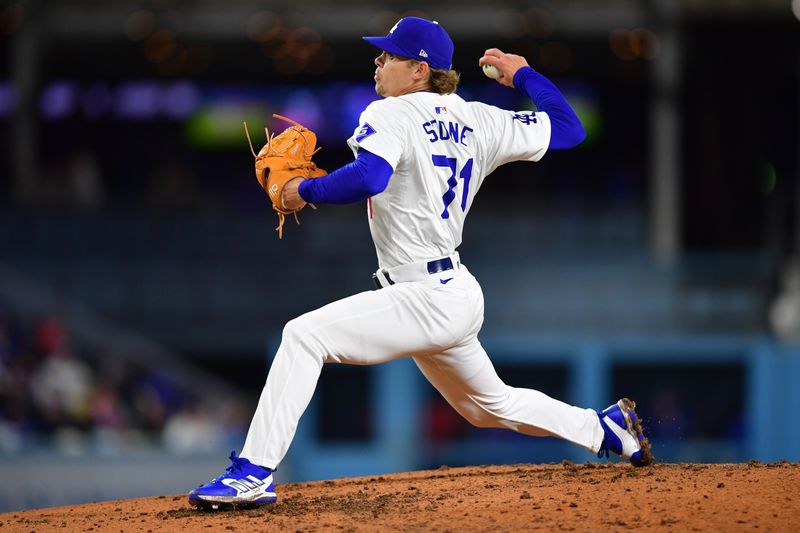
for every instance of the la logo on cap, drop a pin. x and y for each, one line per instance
(435, 45)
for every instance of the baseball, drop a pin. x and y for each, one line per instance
(491, 71)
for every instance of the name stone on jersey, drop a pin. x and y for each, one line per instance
(440, 130)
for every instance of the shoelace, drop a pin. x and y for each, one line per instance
(236, 463)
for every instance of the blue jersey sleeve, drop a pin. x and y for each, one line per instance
(367, 176)
(566, 128)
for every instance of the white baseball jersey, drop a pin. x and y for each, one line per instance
(441, 148)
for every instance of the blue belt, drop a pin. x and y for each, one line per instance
(434, 267)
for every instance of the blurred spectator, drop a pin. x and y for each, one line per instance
(61, 384)
(106, 411)
(784, 312)
(79, 401)
(156, 397)
(194, 430)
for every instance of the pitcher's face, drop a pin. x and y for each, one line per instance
(394, 75)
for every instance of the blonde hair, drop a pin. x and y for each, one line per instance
(444, 81)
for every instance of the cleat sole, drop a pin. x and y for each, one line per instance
(210, 506)
(628, 408)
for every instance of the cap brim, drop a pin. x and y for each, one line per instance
(384, 43)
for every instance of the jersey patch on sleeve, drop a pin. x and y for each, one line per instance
(365, 131)
(525, 118)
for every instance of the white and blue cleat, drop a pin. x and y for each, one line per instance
(623, 433)
(242, 485)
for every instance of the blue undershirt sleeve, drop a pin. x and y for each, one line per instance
(367, 176)
(566, 128)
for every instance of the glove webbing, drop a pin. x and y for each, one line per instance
(272, 136)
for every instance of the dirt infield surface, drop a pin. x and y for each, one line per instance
(554, 497)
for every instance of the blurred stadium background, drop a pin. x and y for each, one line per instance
(143, 288)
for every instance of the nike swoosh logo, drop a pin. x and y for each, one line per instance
(444, 281)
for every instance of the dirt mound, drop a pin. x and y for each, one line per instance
(566, 496)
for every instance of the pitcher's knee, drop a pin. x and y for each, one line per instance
(299, 336)
(293, 332)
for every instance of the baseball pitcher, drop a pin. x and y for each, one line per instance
(420, 156)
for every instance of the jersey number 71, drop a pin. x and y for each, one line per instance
(465, 174)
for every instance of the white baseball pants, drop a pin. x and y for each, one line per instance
(437, 325)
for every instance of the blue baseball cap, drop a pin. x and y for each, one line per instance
(420, 39)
